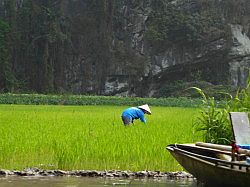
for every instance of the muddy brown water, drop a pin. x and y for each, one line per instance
(91, 182)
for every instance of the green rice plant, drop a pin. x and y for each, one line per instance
(214, 117)
(213, 121)
(91, 137)
(241, 101)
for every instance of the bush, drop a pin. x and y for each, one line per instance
(214, 121)
(39, 99)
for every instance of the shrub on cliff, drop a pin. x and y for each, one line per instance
(170, 24)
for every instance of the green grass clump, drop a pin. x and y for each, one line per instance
(214, 121)
(90, 137)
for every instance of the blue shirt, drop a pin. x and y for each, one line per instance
(244, 146)
(134, 113)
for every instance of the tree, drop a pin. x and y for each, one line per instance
(7, 78)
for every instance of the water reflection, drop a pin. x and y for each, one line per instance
(91, 182)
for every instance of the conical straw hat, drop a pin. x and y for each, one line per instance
(145, 107)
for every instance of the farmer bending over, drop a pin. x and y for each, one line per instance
(132, 113)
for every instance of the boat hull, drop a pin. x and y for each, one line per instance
(209, 172)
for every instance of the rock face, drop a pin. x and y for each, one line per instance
(125, 47)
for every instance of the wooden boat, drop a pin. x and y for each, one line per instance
(212, 166)
(215, 165)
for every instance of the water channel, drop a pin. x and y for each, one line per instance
(91, 182)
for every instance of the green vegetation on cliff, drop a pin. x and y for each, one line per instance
(169, 24)
(111, 47)
(7, 78)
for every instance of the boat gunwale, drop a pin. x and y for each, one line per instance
(215, 161)
(205, 148)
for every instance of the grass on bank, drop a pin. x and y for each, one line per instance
(91, 137)
(40, 99)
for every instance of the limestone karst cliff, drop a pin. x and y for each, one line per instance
(124, 47)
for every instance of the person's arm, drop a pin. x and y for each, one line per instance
(142, 118)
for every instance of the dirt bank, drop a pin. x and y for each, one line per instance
(94, 173)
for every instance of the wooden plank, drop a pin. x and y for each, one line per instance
(241, 127)
(222, 147)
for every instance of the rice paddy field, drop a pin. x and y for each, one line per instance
(91, 137)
